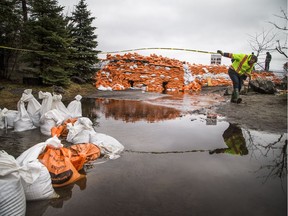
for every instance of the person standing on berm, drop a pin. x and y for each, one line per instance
(267, 61)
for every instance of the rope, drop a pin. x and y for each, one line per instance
(120, 51)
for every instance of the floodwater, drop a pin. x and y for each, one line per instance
(175, 162)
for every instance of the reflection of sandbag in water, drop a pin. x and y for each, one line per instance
(234, 140)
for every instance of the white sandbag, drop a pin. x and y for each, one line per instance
(108, 145)
(50, 119)
(10, 117)
(2, 118)
(80, 132)
(75, 107)
(58, 104)
(33, 152)
(41, 187)
(12, 199)
(46, 104)
(22, 121)
(33, 106)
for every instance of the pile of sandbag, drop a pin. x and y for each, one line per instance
(81, 131)
(31, 114)
(36, 171)
(157, 73)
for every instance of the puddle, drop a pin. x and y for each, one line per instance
(174, 163)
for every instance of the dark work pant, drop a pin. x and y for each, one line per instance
(236, 79)
(267, 64)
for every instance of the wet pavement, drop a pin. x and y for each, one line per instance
(177, 161)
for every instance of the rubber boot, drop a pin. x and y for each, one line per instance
(233, 97)
(237, 98)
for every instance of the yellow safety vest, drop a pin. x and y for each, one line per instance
(240, 65)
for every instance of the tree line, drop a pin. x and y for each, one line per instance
(49, 45)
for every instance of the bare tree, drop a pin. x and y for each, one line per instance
(261, 42)
(281, 46)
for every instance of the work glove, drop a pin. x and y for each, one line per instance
(220, 52)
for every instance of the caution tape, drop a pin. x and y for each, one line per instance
(156, 48)
(119, 51)
(18, 49)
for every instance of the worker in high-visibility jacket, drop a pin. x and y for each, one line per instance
(241, 68)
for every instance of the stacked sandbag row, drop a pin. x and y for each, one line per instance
(133, 70)
(157, 73)
(267, 76)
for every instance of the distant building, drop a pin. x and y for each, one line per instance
(215, 59)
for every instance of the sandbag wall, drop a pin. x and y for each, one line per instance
(156, 73)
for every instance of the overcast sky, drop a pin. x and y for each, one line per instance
(206, 25)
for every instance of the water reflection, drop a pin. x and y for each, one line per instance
(36, 208)
(174, 159)
(130, 111)
(271, 147)
(234, 140)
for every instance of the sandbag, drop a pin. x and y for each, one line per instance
(33, 106)
(10, 117)
(87, 151)
(58, 104)
(110, 147)
(22, 121)
(80, 131)
(75, 107)
(49, 120)
(2, 118)
(46, 104)
(41, 186)
(62, 130)
(12, 198)
(59, 165)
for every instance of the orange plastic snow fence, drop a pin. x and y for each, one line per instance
(63, 163)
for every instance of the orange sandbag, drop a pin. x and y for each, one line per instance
(57, 130)
(87, 151)
(59, 165)
(65, 130)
